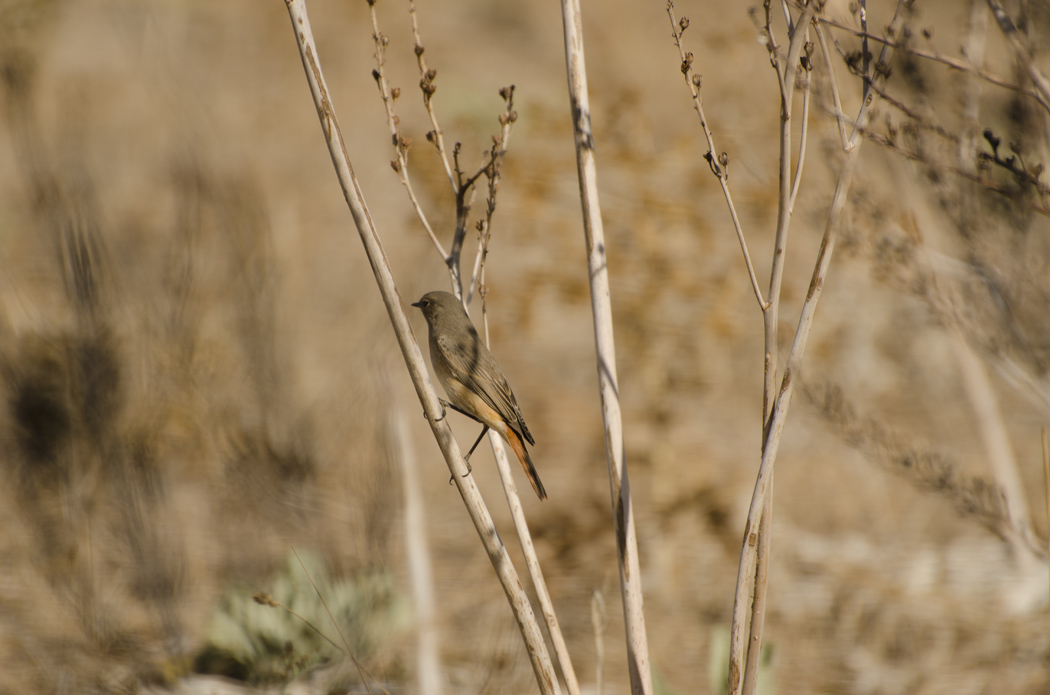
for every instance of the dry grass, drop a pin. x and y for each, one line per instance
(196, 369)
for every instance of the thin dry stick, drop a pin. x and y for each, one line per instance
(771, 313)
(786, 74)
(997, 448)
(802, 142)
(335, 623)
(401, 143)
(1024, 56)
(532, 562)
(436, 136)
(771, 445)
(265, 599)
(758, 602)
(1046, 480)
(428, 664)
(499, 152)
(605, 347)
(479, 514)
(598, 623)
(840, 117)
(936, 56)
(720, 165)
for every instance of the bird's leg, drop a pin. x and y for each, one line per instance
(467, 457)
(476, 442)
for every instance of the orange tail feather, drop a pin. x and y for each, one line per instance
(526, 463)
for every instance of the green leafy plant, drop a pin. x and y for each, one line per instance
(275, 636)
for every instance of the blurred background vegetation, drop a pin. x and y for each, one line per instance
(197, 372)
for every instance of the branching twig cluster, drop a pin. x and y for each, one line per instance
(462, 185)
(792, 67)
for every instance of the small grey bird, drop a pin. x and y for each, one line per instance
(473, 380)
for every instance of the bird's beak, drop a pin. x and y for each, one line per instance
(418, 304)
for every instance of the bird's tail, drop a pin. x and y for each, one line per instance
(526, 462)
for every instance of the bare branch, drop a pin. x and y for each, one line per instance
(401, 143)
(427, 86)
(1019, 44)
(605, 347)
(719, 167)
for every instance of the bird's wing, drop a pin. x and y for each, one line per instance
(482, 375)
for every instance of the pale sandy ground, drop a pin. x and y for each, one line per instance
(249, 368)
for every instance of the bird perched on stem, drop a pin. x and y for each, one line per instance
(473, 380)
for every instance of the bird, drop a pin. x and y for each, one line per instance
(473, 379)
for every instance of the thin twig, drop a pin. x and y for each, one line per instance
(479, 514)
(528, 550)
(331, 617)
(605, 348)
(1019, 44)
(598, 625)
(401, 143)
(1046, 480)
(428, 663)
(935, 56)
(719, 164)
(426, 84)
(839, 114)
(499, 151)
(802, 139)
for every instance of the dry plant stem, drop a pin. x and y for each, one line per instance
(758, 603)
(1019, 45)
(771, 444)
(786, 75)
(400, 143)
(439, 136)
(479, 514)
(532, 562)
(840, 117)
(598, 623)
(477, 274)
(937, 57)
(429, 680)
(802, 141)
(561, 651)
(996, 441)
(719, 170)
(771, 312)
(601, 308)
(1046, 479)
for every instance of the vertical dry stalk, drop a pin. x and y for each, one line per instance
(598, 623)
(476, 508)
(532, 561)
(997, 448)
(1046, 478)
(428, 664)
(755, 529)
(786, 77)
(601, 308)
